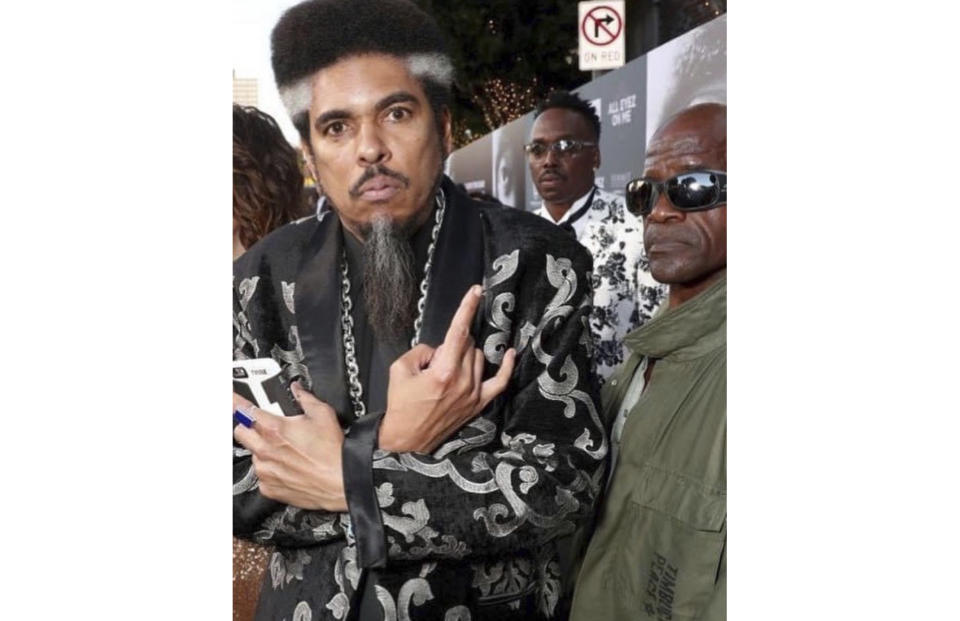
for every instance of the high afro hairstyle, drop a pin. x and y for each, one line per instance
(267, 182)
(570, 101)
(317, 33)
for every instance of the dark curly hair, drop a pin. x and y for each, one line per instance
(267, 182)
(317, 33)
(570, 101)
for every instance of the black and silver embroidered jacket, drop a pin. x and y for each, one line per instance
(477, 529)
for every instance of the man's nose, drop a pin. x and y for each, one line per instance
(664, 211)
(551, 158)
(371, 149)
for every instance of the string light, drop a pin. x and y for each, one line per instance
(502, 101)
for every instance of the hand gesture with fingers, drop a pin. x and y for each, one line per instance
(434, 392)
(297, 458)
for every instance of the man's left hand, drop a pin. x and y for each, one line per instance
(297, 458)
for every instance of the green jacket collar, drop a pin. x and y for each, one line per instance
(688, 331)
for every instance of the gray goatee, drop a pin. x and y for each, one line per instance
(390, 283)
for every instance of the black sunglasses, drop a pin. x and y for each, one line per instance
(695, 190)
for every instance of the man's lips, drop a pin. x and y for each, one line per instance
(380, 188)
(663, 246)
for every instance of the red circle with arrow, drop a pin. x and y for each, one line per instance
(601, 25)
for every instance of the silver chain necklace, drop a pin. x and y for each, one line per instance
(346, 305)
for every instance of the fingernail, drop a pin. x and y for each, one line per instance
(477, 290)
(297, 389)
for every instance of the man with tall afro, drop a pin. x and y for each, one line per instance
(438, 348)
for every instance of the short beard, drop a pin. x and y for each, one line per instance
(389, 279)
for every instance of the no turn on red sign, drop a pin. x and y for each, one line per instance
(601, 29)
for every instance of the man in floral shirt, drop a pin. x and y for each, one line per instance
(564, 152)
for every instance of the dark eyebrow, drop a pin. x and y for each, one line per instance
(395, 98)
(383, 104)
(330, 115)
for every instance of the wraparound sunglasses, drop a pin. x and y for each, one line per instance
(695, 190)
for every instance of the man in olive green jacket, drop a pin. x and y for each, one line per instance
(659, 548)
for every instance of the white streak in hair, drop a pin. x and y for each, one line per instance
(296, 96)
(436, 67)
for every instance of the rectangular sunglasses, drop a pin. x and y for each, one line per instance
(695, 190)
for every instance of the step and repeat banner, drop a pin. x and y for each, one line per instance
(631, 101)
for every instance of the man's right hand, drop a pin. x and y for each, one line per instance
(434, 392)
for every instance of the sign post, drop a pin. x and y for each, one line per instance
(601, 28)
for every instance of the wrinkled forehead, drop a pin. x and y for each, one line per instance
(683, 143)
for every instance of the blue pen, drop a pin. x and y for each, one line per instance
(243, 419)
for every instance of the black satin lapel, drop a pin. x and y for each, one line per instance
(317, 303)
(457, 263)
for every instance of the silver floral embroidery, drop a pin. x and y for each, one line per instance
(527, 330)
(408, 526)
(415, 591)
(512, 577)
(287, 289)
(543, 453)
(437, 470)
(385, 495)
(246, 289)
(386, 603)
(504, 267)
(348, 562)
(563, 388)
(548, 576)
(457, 613)
(287, 566)
(268, 528)
(522, 512)
(415, 527)
(302, 612)
(322, 526)
(292, 361)
(345, 571)
(479, 464)
(485, 576)
(247, 483)
(339, 605)
(462, 442)
(496, 344)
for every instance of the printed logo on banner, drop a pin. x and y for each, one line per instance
(620, 110)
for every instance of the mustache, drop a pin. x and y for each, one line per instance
(554, 173)
(373, 171)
